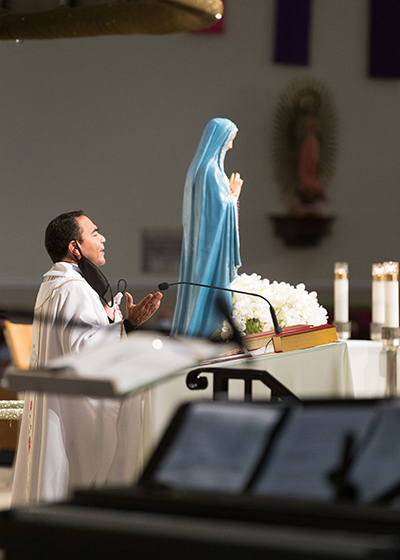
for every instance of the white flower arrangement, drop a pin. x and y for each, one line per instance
(293, 306)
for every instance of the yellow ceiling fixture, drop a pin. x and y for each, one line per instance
(56, 19)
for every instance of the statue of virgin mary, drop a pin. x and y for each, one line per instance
(210, 246)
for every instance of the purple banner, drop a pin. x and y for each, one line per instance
(292, 31)
(384, 46)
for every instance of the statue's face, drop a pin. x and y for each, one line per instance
(230, 145)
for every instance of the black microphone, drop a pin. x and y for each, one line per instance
(164, 286)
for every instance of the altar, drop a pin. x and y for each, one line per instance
(347, 369)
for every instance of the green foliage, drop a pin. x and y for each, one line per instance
(254, 326)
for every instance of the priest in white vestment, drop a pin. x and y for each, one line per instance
(69, 442)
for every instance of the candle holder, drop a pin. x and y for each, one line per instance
(375, 331)
(343, 330)
(391, 342)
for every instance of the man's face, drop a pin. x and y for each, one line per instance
(92, 245)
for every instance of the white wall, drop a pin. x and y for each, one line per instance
(111, 124)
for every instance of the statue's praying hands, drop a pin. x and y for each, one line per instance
(235, 185)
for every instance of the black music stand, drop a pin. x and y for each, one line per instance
(221, 376)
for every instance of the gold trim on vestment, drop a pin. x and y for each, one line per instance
(56, 288)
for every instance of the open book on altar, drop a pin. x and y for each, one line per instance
(119, 368)
(320, 450)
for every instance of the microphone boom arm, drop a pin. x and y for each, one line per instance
(164, 286)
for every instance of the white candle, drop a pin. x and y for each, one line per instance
(391, 282)
(378, 294)
(341, 293)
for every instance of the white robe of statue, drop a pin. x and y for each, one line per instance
(69, 442)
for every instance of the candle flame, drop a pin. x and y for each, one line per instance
(377, 270)
(341, 268)
(391, 267)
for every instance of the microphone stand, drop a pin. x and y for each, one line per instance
(237, 337)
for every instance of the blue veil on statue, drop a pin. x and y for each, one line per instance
(210, 245)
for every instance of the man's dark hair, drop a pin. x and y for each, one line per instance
(60, 232)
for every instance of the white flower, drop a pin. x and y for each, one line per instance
(293, 305)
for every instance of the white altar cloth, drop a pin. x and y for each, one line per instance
(320, 372)
(368, 368)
